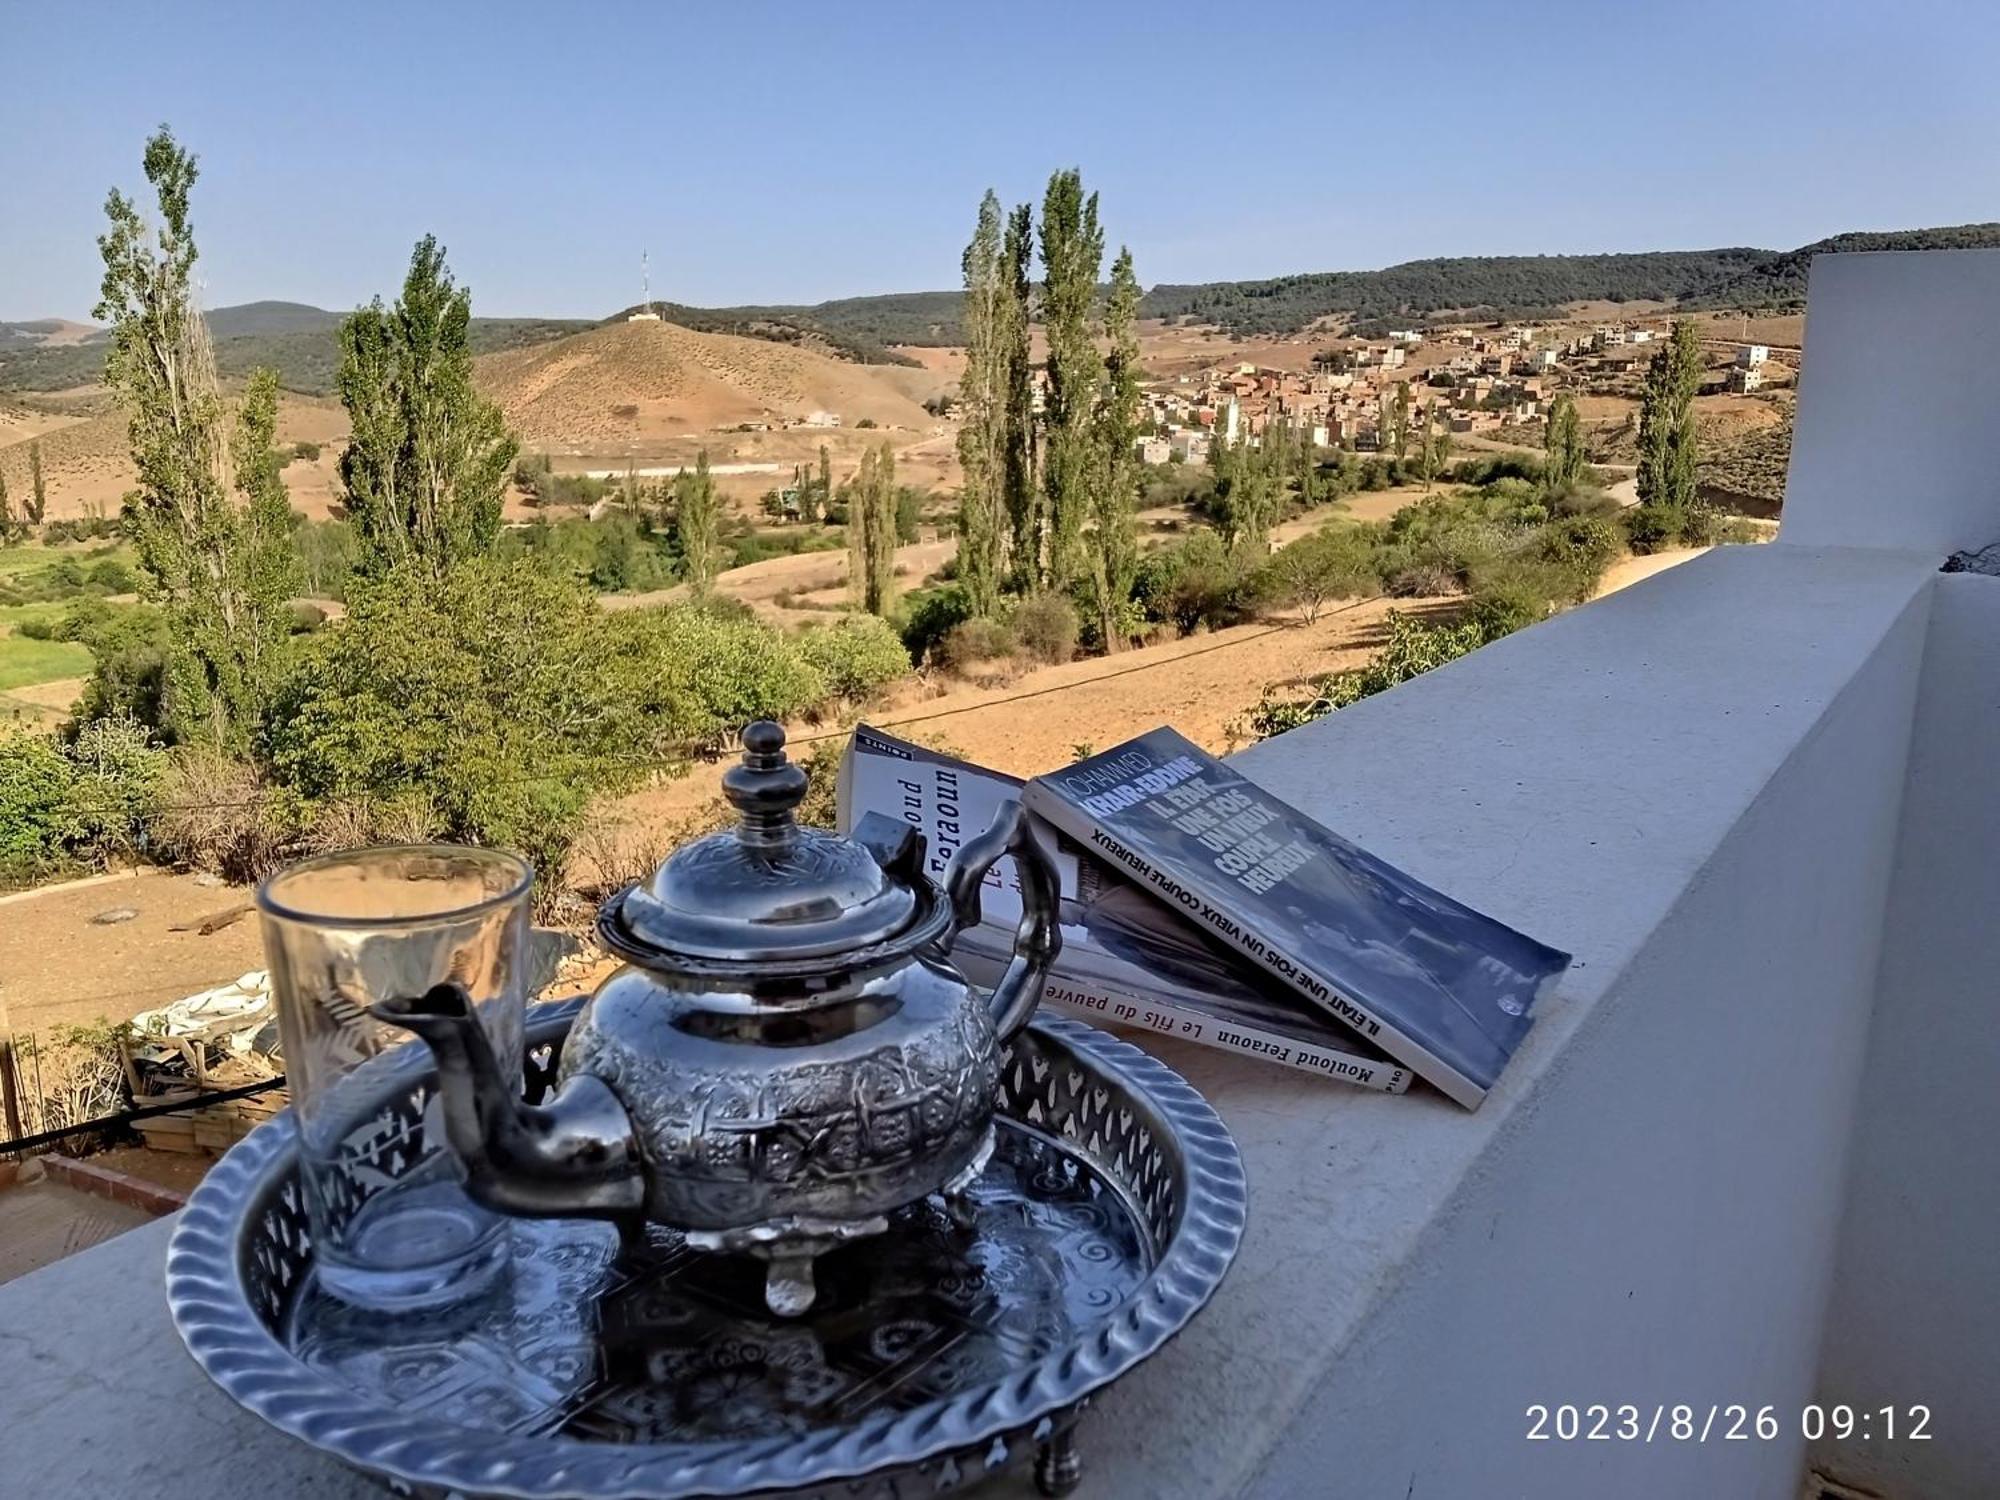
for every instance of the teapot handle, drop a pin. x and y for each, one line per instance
(1039, 937)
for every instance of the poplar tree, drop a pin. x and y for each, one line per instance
(1668, 448)
(1072, 255)
(1399, 419)
(982, 440)
(214, 563)
(38, 495)
(871, 532)
(1562, 447)
(1114, 543)
(825, 492)
(1020, 493)
(6, 512)
(698, 522)
(1683, 449)
(427, 466)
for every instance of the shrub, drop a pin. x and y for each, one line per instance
(699, 674)
(856, 656)
(491, 694)
(866, 423)
(1197, 582)
(1046, 627)
(82, 803)
(110, 576)
(929, 616)
(307, 451)
(128, 644)
(1654, 528)
(974, 640)
(36, 628)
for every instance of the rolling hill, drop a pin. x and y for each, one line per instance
(623, 382)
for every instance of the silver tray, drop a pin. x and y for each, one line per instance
(939, 1354)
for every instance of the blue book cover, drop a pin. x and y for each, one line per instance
(1441, 988)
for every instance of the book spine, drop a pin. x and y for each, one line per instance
(1095, 1003)
(1297, 973)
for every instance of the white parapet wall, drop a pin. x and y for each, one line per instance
(1915, 1317)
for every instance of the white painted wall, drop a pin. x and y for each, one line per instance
(1896, 443)
(1656, 1222)
(1915, 1315)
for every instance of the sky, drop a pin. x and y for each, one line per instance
(794, 152)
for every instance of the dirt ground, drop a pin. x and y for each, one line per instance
(58, 967)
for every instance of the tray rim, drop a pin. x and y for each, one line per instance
(212, 1312)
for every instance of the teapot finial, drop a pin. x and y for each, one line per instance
(766, 788)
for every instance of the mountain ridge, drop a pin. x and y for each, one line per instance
(298, 339)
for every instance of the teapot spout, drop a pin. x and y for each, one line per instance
(574, 1157)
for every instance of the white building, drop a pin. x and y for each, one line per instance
(1750, 356)
(1153, 450)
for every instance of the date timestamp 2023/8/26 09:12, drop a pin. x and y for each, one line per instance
(1718, 1422)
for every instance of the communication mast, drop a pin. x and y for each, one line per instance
(647, 313)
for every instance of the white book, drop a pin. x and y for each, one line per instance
(1125, 957)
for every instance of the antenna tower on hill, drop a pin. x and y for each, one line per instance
(647, 313)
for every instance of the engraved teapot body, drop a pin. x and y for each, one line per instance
(787, 1057)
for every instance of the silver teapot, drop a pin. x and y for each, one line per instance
(786, 1058)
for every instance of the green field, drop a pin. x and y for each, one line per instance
(23, 662)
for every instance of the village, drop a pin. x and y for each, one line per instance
(1492, 381)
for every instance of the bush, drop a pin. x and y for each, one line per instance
(84, 803)
(856, 657)
(492, 696)
(36, 628)
(1654, 528)
(81, 529)
(699, 675)
(930, 615)
(1197, 582)
(129, 646)
(110, 576)
(307, 451)
(974, 640)
(1045, 625)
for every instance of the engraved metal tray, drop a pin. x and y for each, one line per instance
(938, 1354)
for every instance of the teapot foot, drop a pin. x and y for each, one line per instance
(788, 1248)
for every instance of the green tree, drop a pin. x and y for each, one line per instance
(6, 513)
(1021, 495)
(1072, 255)
(1433, 446)
(1399, 420)
(698, 521)
(982, 440)
(206, 556)
(1668, 446)
(38, 493)
(488, 697)
(427, 466)
(871, 531)
(1562, 447)
(824, 497)
(1114, 544)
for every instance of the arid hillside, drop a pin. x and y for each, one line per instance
(634, 383)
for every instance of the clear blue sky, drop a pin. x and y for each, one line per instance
(795, 152)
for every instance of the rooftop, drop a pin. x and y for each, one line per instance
(1732, 1163)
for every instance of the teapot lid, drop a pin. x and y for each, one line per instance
(770, 892)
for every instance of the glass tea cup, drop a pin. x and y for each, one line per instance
(393, 1227)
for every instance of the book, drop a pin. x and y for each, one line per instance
(1125, 958)
(1439, 987)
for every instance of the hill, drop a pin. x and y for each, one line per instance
(293, 338)
(1485, 286)
(626, 382)
(1780, 280)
